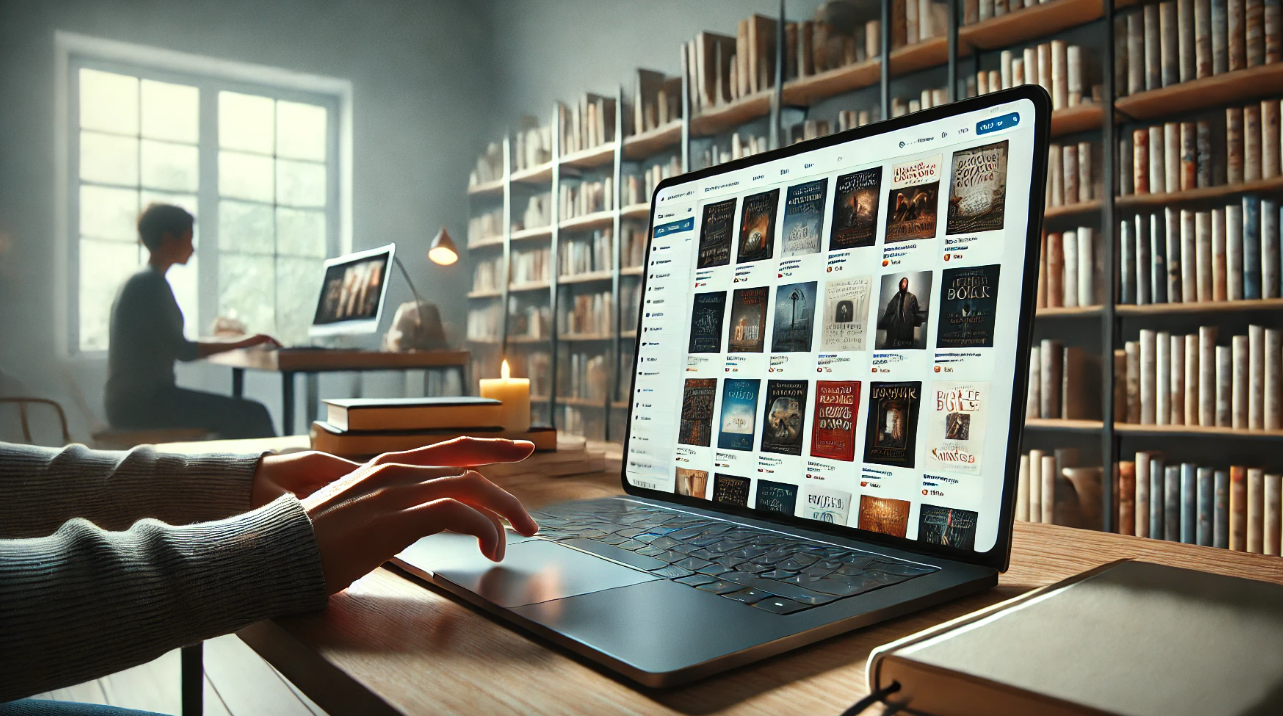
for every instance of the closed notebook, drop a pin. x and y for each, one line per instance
(412, 413)
(1128, 638)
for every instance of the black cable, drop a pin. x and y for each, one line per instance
(860, 706)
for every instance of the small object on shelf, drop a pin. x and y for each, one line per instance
(514, 394)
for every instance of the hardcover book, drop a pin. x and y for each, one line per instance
(855, 209)
(956, 428)
(978, 188)
(692, 483)
(697, 412)
(892, 428)
(757, 227)
(968, 307)
(803, 213)
(846, 314)
(902, 311)
(832, 506)
(833, 429)
(748, 320)
(739, 413)
(794, 310)
(912, 198)
(707, 312)
(715, 234)
(778, 497)
(731, 490)
(947, 526)
(785, 416)
(884, 515)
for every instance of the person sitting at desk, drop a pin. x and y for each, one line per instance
(147, 337)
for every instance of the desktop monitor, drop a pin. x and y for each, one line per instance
(352, 293)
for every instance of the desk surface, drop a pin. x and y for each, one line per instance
(318, 361)
(389, 645)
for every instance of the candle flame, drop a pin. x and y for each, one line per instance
(504, 373)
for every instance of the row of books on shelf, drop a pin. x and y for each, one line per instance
(1064, 382)
(537, 214)
(531, 266)
(974, 11)
(539, 370)
(487, 274)
(1071, 176)
(1057, 66)
(586, 314)
(1070, 268)
(485, 322)
(640, 190)
(587, 254)
(1236, 508)
(1166, 43)
(532, 146)
(1201, 379)
(1053, 488)
(588, 122)
(1181, 156)
(584, 377)
(587, 197)
(657, 100)
(486, 225)
(489, 166)
(740, 146)
(1180, 256)
(532, 321)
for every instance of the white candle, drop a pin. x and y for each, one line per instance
(514, 393)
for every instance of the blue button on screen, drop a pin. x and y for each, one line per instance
(997, 124)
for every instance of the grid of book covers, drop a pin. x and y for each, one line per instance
(841, 345)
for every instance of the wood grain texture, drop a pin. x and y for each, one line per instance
(336, 360)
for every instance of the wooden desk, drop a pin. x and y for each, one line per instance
(310, 363)
(391, 645)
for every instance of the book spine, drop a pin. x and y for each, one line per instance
(1132, 349)
(1188, 170)
(1203, 245)
(1192, 374)
(1157, 160)
(1220, 288)
(1172, 504)
(1126, 173)
(1059, 75)
(1254, 25)
(1273, 382)
(1042, 271)
(1120, 386)
(1028, 66)
(1234, 145)
(1035, 485)
(1237, 31)
(1136, 52)
(1202, 38)
(1252, 142)
(1086, 266)
(1185, 21)
(1239, 357)
(1203, 153)
(1172, 156)
(1045, 68)
(1126, 480)
(1055, 270)
(1153, 58)
(1148, 376)
(1055, 177)
(1127, 263)
(1207, 376)
(1158, 259)
(1178, 380)
(1140, 161)
(1143, 263)
(1224, 386)
(1049, 475)
(1033, 402)
(1270, 248)
(1251, 247)
(1069, 165)
(1220, 51)
(1157, 494)
(1273, 31)
(1189, 257)
(1256, 510)
(1085, 176)
(1121, 61)
(986, 9)
(1074, 68)
(1206, 506)
(1142, 494)
(1052, 366)
(1234, 251)
(1221, 511)
(1273, 513)
(1163, 379)
(1069, 244)
(1255, 377)
(1168, 43)
(1269, 138)
(1189, 503)
(1172, 236)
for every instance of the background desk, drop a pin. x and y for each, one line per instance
(311, 363)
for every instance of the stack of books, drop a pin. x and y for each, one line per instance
(362, 427)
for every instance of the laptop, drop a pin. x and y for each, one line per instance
(352, 296)
(826, 403)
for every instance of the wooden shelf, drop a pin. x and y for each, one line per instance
(923, 55)
(630, 271)
(1206, 194)
(486, 243)
(591, 157)
(487, 188)
(1079, 118)
(805, 90)
(1019, 26)
(1071, 426)
(1225, 89)
(484, 341)
(636, 211)
(1158, 309)
(485, 294)
(528, 339)
(535, 286)
(1070, 210)
(619, 404)
(582, 402)
(729, 116)
(534, 175)
(585, 277)
(540, 232)
(597, 220)
(1071, 312)
(1182, 431)
(584, 337)
(628, 335)
(647, 144)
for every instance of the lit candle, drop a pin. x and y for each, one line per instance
(514, 393)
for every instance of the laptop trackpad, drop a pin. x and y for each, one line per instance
(535, 571)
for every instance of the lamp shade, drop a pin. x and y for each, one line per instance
(442, 250)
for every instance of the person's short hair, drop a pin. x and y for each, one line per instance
(160, 219)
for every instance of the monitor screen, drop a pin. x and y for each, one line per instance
(352, 292)
(833, 335)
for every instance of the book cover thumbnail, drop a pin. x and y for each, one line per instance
(846, 314)
(748, 320)
(785, 416)
(912, 200)
(778, 497)
(697, 412)
(884, 515)
(731, 490)
(833, 429)
(803, 214)
(903, 311)
(715, 234)
(832, 506)
(956, 431)
(947, 526)
(757, 227)
(892, 428)
(794, 311)
(692, 483)
(707, 311)
(978, 189)
(739, 413)
(968, 307)
(855, 209)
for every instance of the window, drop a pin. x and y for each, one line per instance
(257, 167)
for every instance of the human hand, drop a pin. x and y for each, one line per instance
(259, 339)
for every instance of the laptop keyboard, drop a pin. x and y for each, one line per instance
(768, 570)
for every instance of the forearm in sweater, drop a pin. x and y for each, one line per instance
(84, 602)
(44, 487)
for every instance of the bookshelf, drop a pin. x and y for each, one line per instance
(965, 47)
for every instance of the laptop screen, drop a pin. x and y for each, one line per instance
(351, 299)
(833, 335)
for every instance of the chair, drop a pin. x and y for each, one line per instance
(24, 418)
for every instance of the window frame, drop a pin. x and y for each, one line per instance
(210, 76)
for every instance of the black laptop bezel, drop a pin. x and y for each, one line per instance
(999, 556)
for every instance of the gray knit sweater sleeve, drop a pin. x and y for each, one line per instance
(81, 601)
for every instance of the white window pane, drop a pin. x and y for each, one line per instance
(245, 176)
(300, 183)
(170, 112)
(298, 287)
(246, 121)
(109, 159)
(247, 290)
(108, 102)
(245, 227)
(300, 232)
(300, 131)
(109, 213)
(183, 281)
(175, 167)
(104, 266)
